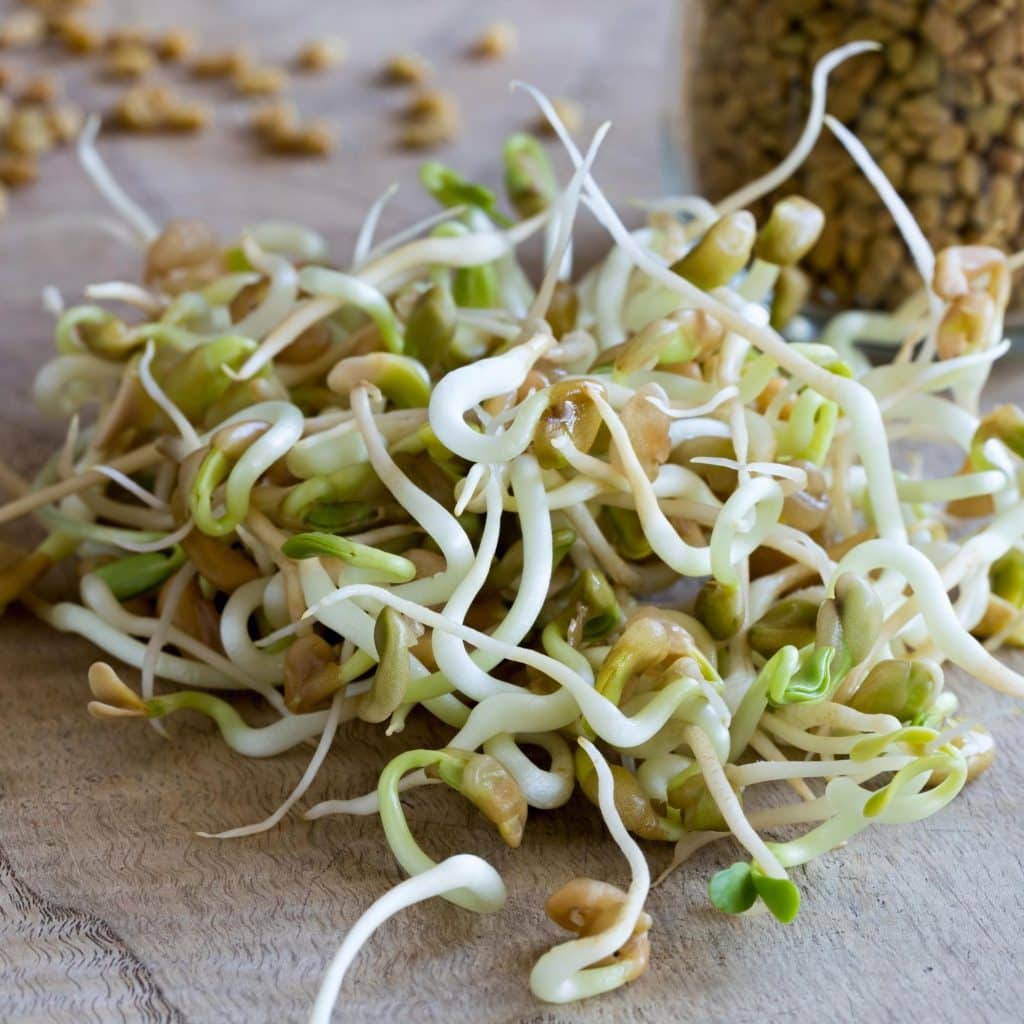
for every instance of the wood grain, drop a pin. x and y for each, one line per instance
(111, 909)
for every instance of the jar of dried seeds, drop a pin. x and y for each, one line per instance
(940, 107)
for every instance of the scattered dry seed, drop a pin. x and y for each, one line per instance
(65, 122)
(222, 64)
(21, 29)
(143, 107)
(569, 112)
(427, 132)
(273, 119)
(175, 44)
(75, 35)
(128, 60)
(28, 133)
(407, 69)
(125, 35)
(322, 54)
(187, 117)
(40, 88)
(432, 118)
(496, 41)
(313, 138)
(427, 103)
(17, 170)
(260, 80)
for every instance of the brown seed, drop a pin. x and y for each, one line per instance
(65, 122)
(943, 31)
(948, 144)
(76, 35)
(274, 118)
(29, 132)
(222, 64)
(322, 54)
(22, 29)
(186, 116)
(175, 45)
(40, 88)
(125, 35)
(128, 60)
(260, 80)
(497, 40)
(407, 69)
(1005, 84)
(312, 138)
(17, 170)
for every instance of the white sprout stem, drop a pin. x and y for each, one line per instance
(433, 517)
(660, 533)
(920, 250)
(470, 385)
(728, 803)
(566, 208)
(296, 241)
(316, 761)
(464, 871)
(762, 744)
(368, 803)
(99, 174)
(159, 397)
(179, 581)
(126, 483)
(281, 291)
(364, 240)
(565, 972)
(757, 772)
(544, 788)
(808, 137)
(235, 639)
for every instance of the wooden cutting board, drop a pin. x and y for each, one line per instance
(111, 909)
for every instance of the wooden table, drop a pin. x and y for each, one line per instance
(112, 910)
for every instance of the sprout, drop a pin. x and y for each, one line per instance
(721, 254)
(720, 608)
(136, 574)
(792, 229)
(314, 545)
(393, 636)
(529, 178)
(903, 689)
(792, 622)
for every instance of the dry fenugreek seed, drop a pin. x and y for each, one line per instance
(274, 118)
(569, 112)
(22, 29)
(128, 60)
(322, 54)
(29, 132)
(175, 44)
(221, 64)
(65, 122)
(125, 35)
(187, 117)
(312, 138)
(407, 69)
(497, 40)
(432, 118)
(260, 80)
(75, 35)
(432, 103)
(17, 170)
(40, 88)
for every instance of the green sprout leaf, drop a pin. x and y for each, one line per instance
(450, 188)
(732, 890)
(779, 895)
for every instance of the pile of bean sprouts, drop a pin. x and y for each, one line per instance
(638, 532)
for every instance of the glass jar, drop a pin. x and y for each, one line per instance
(940, 107)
